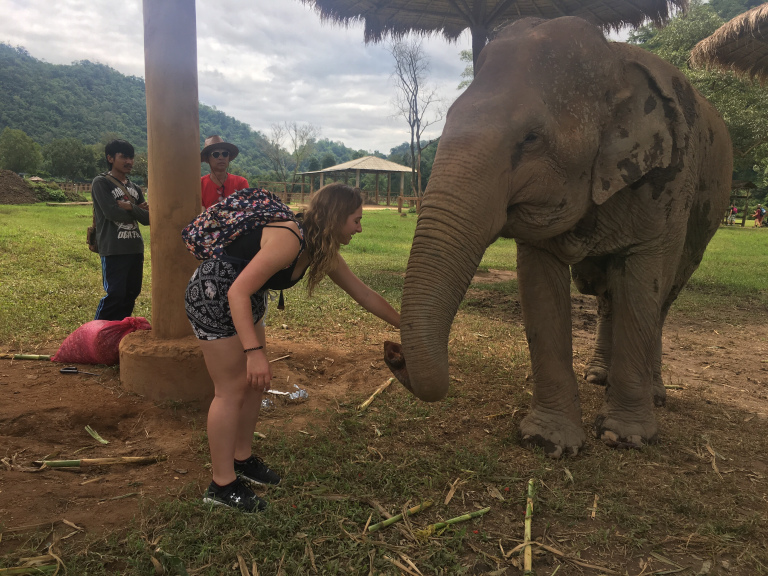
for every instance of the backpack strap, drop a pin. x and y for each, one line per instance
(122, 187)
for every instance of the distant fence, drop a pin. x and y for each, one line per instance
(80, 187)
(280, 189)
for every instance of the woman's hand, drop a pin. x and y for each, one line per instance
(259, 371)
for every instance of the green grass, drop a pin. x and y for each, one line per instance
(735, 262)
(52, 283)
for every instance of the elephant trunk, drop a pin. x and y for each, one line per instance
(453, 231)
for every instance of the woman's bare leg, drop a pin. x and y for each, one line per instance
(234, 411)
(226, 364)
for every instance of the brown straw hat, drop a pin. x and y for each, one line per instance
(216, 141)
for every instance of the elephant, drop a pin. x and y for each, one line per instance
(605, 165)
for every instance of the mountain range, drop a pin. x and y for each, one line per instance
(88, 100)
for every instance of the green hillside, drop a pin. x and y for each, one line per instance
(87, 101)
(83, 100)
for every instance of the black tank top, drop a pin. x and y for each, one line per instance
(248, 245)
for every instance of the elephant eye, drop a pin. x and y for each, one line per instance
(530, 138)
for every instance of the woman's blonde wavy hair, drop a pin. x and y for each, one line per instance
(328, 210)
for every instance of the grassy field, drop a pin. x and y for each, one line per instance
(51, 284)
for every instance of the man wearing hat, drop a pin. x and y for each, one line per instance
(219, 183)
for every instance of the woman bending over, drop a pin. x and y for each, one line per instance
(226, 302)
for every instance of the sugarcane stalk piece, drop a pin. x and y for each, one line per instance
(25, 357)
(397, 517)
(378, 391)
(432, 528)
(527, 555)
(100, 461)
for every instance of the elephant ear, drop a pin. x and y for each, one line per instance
(643, 133)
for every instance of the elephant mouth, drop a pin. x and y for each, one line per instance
(395, 361)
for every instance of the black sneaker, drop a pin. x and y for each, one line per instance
(254, 470)
(235, 495)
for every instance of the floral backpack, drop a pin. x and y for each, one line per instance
(219, 225)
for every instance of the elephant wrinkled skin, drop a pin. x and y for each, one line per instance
(603, 163)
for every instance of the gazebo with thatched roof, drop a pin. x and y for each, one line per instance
(450, 18)
(740, 45)
(364, 165)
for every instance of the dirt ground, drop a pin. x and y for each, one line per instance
(43, 414)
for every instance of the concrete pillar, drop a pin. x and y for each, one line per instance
(389, 186)
(166, 363)
(357, 178)
(377, 188)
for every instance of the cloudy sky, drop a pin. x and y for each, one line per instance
(261, 61)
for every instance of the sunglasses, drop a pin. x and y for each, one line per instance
(223, 154)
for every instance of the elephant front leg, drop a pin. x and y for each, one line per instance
(554, 421)
(626, 418)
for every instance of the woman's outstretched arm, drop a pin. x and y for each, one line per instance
(362, 294)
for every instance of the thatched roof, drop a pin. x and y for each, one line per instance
(740, 45)
(450, 18)
(364, 164)
(742, 185)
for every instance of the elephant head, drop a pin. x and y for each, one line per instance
(556, 121)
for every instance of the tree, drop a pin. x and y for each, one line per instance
(414, 100)
(274, 149)
(302, 138)
(140, 167)
(70, 158)
(469, 70)
(728, 9)
(18, 152)
(328, 160)
(313, 166)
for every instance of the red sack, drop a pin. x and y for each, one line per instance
(98, 341)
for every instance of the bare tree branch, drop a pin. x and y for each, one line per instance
(300, 139)
(414, 99)
(275, 151)
(303, 138)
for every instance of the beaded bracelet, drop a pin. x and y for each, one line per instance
(252, 349)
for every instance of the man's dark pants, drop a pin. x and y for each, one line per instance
(122, 275)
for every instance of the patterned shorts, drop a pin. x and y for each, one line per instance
(206, 300)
